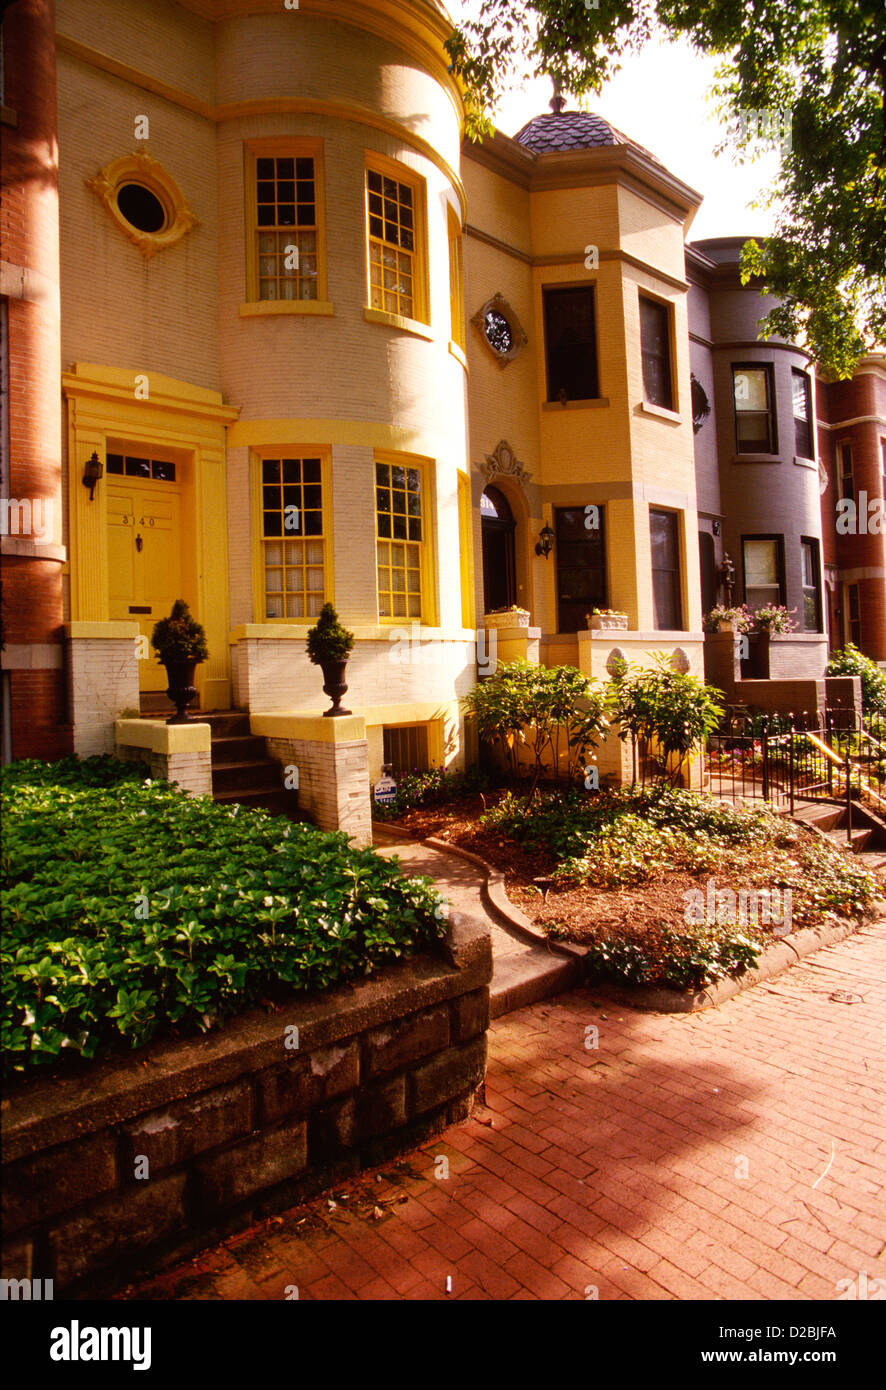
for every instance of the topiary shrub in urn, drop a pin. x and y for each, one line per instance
(329, 646)
(180, 644)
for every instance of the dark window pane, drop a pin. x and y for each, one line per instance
(273, 524)
(270, 470)
(581, 568)
(312, 497)
(285, 168)
(306, 216)
(286, 215)
(374, 181)
(384, 526)
(265, 192)
(265, 217)
(802, 415)
(399, 528)
(382, 474)
(313, 524)
(286, 191)
(656, 353)
(304, 168)
(138, 468)
(665, 570)
(376, 227)
(414, 528)
(165, 472)
(292, 497)
(291, 470)
(270, 497)
(570, 345)
(264, 168)
(311, 470)
(114, 463)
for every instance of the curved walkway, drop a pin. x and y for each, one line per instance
(735, 1153)
(523, 972)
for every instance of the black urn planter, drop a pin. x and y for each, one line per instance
(182, 690)
(334, 686)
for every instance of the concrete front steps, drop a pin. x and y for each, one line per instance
(867, 841)
(242, 772)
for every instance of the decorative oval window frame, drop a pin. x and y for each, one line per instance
(142, 169)
(701, 405)
(499, 305)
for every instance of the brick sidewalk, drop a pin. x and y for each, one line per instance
(737, 1153)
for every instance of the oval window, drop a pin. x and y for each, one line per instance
(141, 208)
(499, 334)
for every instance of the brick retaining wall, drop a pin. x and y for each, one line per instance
(138, 1161)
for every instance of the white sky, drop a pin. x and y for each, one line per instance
(660, 99)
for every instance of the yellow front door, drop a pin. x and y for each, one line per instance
(144, 557)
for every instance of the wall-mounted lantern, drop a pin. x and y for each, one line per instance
(92, 471)
(726, 575)
(545, 543)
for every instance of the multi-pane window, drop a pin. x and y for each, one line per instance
(754, 422)
(571, 344)
(391, 210)
(292, 537)
(400, 525)
(666, 597)
(845, 470)
(158, 469)
(854, 614)
(286, 227)
(655, 344)
(809, 559)
(406, 748)
(763, 570)
(802, 396)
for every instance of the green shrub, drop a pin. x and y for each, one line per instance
(552, 710)
(179, 637)
(673, 960)
(132, 910)
(676, 710)
(851, 662)
(436, 787)
(327, 640)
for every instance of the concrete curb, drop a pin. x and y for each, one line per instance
(774, 960)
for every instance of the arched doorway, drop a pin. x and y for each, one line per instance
(497, 526)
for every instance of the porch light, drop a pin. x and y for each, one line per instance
(93, 470)
(545, 543)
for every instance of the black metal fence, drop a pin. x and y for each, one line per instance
(787, 759)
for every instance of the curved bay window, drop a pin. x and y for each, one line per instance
(497, 527)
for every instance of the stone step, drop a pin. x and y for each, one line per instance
(227, 722)
(528, 976)
(860, 838)
(237, 748)
(824, 815)
(279, 803)
(258, 774)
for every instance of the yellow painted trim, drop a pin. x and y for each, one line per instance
(296, 630)
(466, 548)
(393, 168)
(410, 712)
(258, 568)
(94, 632)
(161, 737)
(142, 169)
(309, 726)
(296, 147)
(89, 379)
(456, 352)
(260, 307)
(421, 330)
(427, 564)
(457, 327)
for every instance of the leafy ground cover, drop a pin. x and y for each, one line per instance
(131, 910)
(613, 872)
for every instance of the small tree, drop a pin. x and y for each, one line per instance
(179, 637)
(327, 640)
(676, 710)
(547, 708)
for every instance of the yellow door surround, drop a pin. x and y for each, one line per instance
(116, 409)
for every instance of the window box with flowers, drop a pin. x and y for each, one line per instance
(507, 617)
(606, 620)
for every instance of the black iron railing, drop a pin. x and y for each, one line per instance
(789, 758)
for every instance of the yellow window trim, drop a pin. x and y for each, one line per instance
(299, 147)
(259, 308)
(466, 551)
(458, 329)
(290, 450)
(381, 164)
(458, 353)
(421, 330)
(427, 568)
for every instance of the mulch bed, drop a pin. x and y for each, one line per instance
(579, 913)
